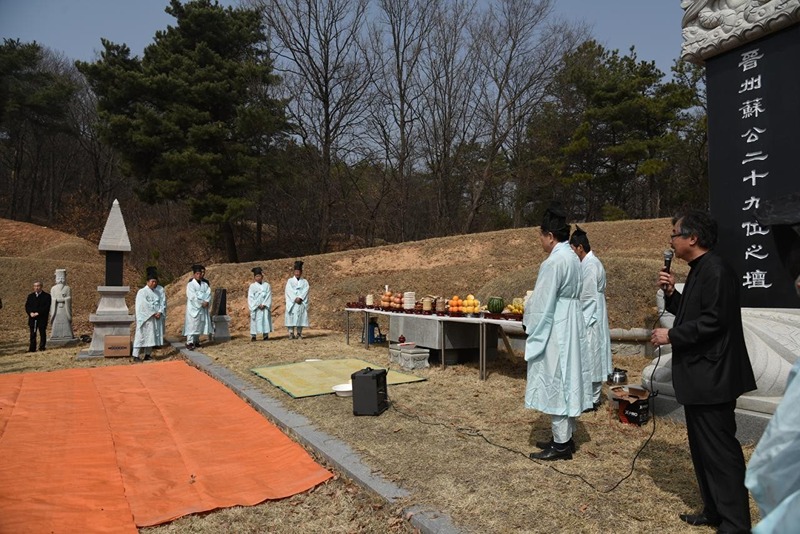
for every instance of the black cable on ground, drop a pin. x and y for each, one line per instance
(472, 432)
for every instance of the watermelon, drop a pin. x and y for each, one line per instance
(495, 305)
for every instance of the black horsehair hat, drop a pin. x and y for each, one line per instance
(780, 211)
(783, 216)
(256, 270)
(555, 218)
(578, 231)
(197, 268)
(298, 265)
(152, 273)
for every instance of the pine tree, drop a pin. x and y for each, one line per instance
(188, 117)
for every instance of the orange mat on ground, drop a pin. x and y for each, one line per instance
(113, 448)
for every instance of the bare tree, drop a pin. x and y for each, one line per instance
(450, 71)
(519, 47)
(321, 54)
(399, 37)
(101, 167)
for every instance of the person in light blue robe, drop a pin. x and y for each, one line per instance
(773, 473)
(259, 301)
(163, 320)
(559, 369)
(296, 296)
(593, 301)
(197, 320)
(151, 313)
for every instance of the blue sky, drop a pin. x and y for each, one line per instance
(652, 26)
(75, 27)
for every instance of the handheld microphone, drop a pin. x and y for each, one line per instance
(668, 254)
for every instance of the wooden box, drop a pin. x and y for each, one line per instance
(116, 346)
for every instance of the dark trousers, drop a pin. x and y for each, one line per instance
(41, 326)
(719, 464)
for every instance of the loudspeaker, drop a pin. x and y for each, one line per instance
(369, 391)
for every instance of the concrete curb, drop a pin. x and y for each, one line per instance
(333, 450)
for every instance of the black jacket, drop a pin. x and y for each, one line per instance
(39, 304)
(710, 364)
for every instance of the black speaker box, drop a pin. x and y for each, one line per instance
(369, 391)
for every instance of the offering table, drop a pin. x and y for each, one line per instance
(441, 332)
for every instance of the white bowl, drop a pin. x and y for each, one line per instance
(343, 390)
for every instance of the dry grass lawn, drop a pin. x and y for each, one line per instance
(336, 506)
(458, 444)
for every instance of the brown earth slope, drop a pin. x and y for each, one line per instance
(458, 444)
(502, 263)
(29, 253)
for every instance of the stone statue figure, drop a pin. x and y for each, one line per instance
(61, 308)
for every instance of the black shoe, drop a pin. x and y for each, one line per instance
(699, 520)
(547, 444)
(291, 336)
(252, 338)
(552, 453)
(266, 337)
(190, 346)
(135, 359)
(593, 408)
(147, 357)
(299, 336)
(32, 350)
(42, 349)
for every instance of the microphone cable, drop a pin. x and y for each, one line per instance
(653, 395)
(474, 432)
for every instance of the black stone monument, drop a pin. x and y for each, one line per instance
(753, 125)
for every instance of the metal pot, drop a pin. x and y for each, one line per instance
(618, 378)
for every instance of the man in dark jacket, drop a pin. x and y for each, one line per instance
(37, 307)
(710, 369)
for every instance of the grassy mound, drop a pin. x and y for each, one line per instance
(503, 263)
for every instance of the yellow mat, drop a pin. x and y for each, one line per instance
(317, 377)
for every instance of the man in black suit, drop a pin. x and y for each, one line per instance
(37, 307)
(710, 369)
